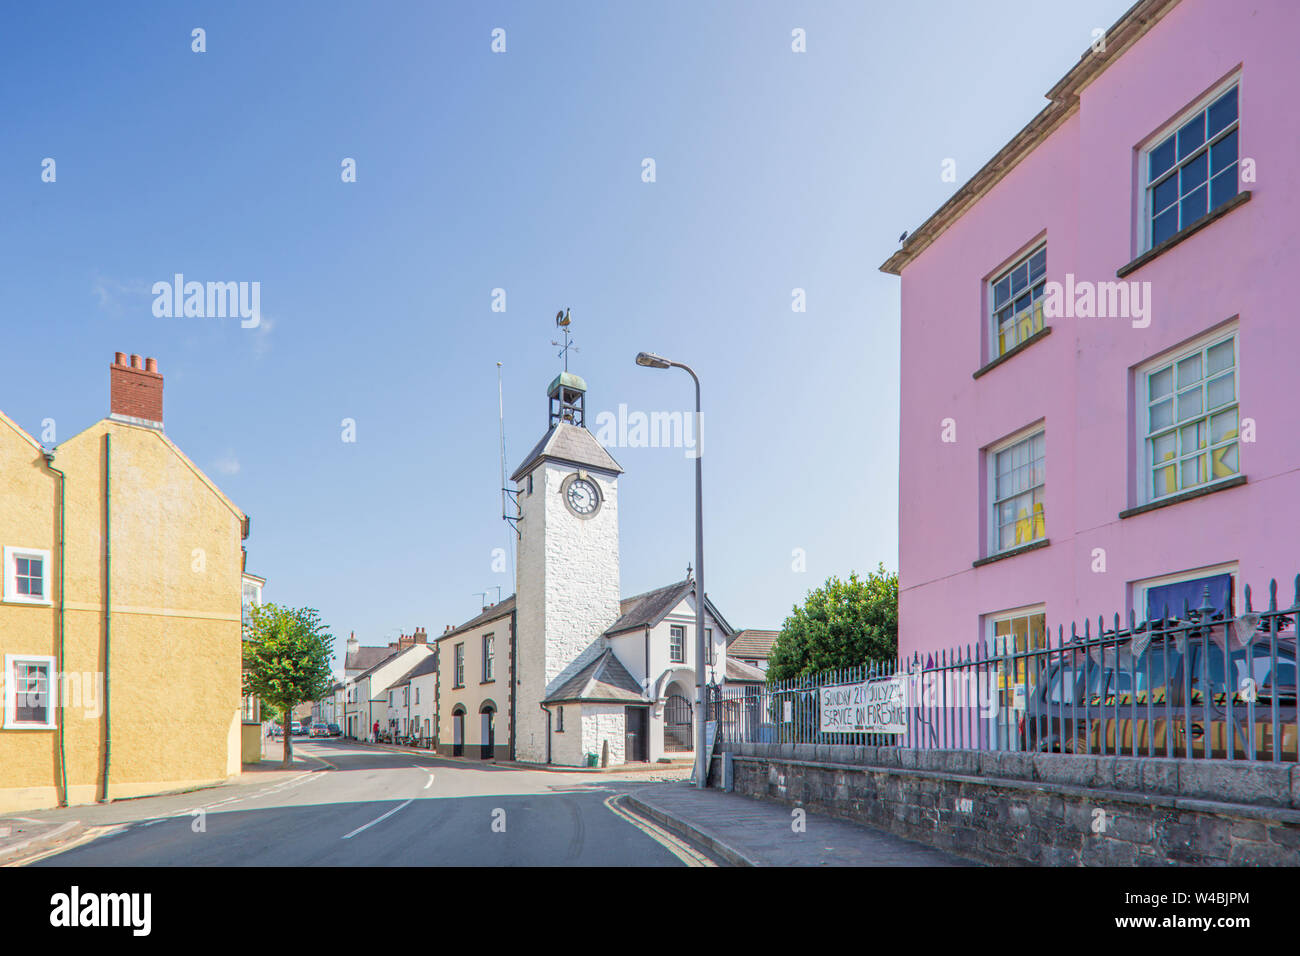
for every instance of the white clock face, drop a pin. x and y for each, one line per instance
(582, 497)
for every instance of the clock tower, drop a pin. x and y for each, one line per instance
(567, 577)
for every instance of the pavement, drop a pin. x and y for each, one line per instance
(745, 831)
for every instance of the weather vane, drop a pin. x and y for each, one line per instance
(562, 322)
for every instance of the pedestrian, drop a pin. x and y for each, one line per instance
(376, 732)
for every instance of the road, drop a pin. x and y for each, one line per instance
(367, 806)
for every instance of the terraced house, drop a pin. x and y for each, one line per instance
(1098, 346)
(120, 620)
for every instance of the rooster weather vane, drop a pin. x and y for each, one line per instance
(562, 322)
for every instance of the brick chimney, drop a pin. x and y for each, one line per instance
(135, 391)
(421, 636)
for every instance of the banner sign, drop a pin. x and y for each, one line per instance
(871, 707)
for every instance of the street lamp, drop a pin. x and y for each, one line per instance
(650, 360)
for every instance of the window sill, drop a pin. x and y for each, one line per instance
(490, 680)
(1238, 200)
(1042, 333)
(21, 602)
(1002, 555)
(1210, 489)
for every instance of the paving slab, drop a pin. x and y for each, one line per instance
(745, 831)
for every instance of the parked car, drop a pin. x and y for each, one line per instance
(319, 730)
(295, 729)
(335, 730)
(277, 730)
(1147, 704)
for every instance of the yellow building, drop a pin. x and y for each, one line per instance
(120, 617)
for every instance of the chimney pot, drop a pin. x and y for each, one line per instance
(119, 358)
(151, 365)
(135, 361)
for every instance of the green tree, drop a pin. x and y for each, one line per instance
(286, 661)
(841, 624)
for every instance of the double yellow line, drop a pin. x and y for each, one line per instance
(678, 848)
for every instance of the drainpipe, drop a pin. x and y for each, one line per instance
(510, 698)
(63, 513)
(108, 604)
(546, 710)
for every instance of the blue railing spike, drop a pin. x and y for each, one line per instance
(1248, 592)
(1132, 621)
(1272, 594)
(1087, 628)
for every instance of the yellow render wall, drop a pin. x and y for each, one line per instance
(174, 668)
(28, 518)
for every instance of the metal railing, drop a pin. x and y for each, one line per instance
(1200, 684)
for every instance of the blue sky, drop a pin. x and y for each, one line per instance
(521, 170)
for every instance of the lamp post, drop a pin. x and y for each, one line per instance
(650, 360)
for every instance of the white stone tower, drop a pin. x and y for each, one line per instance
(567, 580)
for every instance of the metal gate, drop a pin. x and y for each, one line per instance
(677, 724)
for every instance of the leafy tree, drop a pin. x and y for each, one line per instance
(286, 661)
(841, 624)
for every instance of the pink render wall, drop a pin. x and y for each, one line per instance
(1078, 188)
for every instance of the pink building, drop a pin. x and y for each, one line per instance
(1100, 347)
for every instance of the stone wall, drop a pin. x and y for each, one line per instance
(1041, 809)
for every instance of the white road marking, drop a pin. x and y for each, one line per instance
(349, 836)
(430, 783)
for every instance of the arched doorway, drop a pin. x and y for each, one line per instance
(458, 731)
(677, 720)
(487, 715)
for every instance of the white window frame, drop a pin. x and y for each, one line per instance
(458, 665)
(671, 658)
(991, 312)
(11, 595)
(1142, 404)
(1138, 589)
(991, 621)
(489, 657)
(11, 692)
(1156, 139)
(991, 471)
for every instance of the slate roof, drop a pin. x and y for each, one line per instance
(741, 672)
(604, 679)
(502, 608)
(429, 665)
(375, 666)
(752, 642)
(648, 609)
(364, 658)
(571, 445)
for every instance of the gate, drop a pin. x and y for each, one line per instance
(677, 724)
